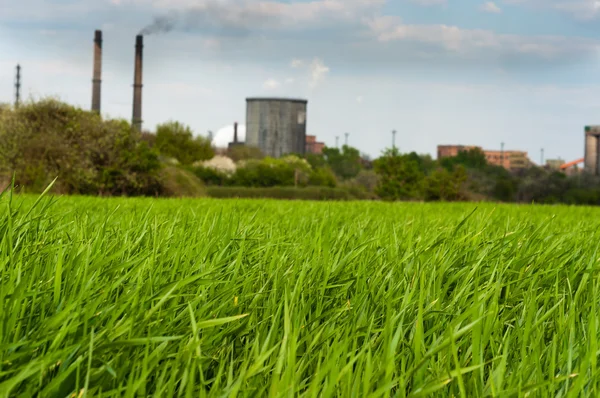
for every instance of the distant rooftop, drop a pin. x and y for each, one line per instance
(276, 99)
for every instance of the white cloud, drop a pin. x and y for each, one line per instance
(491, 7)
(429, 2)
(468, 41)
(318, 71)
(297, 63)
(211, 43)
(359, 99)
(580, 9)
(271, 84)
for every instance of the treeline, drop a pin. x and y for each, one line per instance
(93, 156)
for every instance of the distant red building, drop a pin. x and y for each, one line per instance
(313, 146)
(507, 159)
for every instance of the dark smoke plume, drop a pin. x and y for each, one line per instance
(161, 24)
(232, 19)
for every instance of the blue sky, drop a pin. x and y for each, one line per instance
(522, 72)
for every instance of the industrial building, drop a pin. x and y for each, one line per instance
(136, 119)
(236, 141)
(314, 146)
(590, 163)
(510, 160)
(448, 151)
(277, 126)
(554, 164)
(97, 72)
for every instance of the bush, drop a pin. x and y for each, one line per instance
(444, 185)
(178, 182)
(322, 177)
(177, 140)
(270, 172)
(244, 152)
(42, 140)
(209, 175)
(400, 177)
(308, 193)
(366, 180)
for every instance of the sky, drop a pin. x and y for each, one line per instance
(519, 72)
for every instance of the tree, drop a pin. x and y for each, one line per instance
(473, 158)
(346, 163)
(177, 140)
(444, 185)
(400, 176)
(322, 176)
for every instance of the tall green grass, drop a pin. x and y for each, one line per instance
(194, 298)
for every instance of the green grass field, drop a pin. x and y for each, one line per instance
(192, 298)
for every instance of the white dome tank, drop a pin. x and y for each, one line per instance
(225, 135)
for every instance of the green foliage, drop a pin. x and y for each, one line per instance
(288, 193)
(444, 185)
(270, 172)
(473, 158)
(47, 139)
(177, 140)
(315, 160)
(322, 176)
(243, 152)
(400, 176)
(210, 176)
(346, 163)
(178, 182)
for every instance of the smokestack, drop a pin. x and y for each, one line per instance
(137, 84)
(97, 75)
(235, 136)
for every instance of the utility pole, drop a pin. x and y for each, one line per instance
(502, 153)
(346, 141)
(337, 141)
(542, 157)
(393, 139)
(18, 87)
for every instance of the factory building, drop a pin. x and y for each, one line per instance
(314, 146)
(590, 162)
(277, 126)
(510, 160)
(448, 151)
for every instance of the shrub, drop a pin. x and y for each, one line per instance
(42, 140)
(177, 140)
(444, 185)
(322, 176)
(210, 175)
(308, 193)
(400, 177)
(270, 172)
